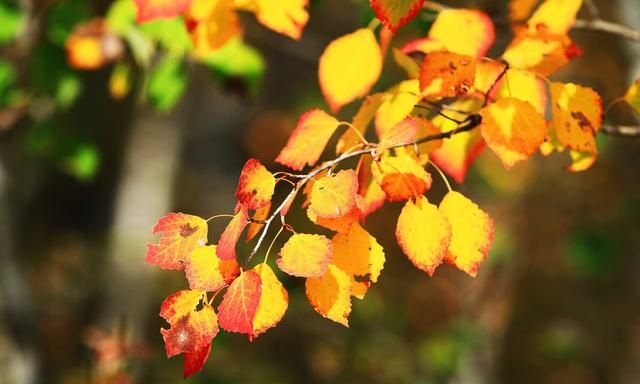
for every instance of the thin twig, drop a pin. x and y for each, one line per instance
(593, 10)
(621, 130)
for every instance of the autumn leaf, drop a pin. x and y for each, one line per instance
(540, 52)
(287, 17)
(205, 271)
(633, 96)
(520, 10)
(359, 255)
(407, 63)
(226, 249)
(180, 304)
(463, 31)
(239, 305)
(256, 185)
(157, 9)
(554, 16)
(179, 235)
(577, 116)
(305, 255)
(193, 361)
(373, 197)
(308, 139)
(338, 224)
(446, 74)
(360, 123)
(513, 129)
(524, 86)
(259, 215)
(402, 133)
(401, 177)
(471, 232)
(91, 45)
(330, 294)
(211, 24)
(427, 128)
(396, 13)
(273, 303)
(349, 67)
(397, 103)
(334, 195)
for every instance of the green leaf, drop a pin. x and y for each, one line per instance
(237, 59)
(51, 75)
(83, 162)
(167, 83)
(121, 16)
(171, 34)
(11, 22)
(63, 17)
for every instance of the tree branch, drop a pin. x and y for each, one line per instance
(621, 130)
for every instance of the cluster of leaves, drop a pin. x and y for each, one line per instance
(454, 104)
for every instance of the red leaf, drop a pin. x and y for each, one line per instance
(238, 307)
(194, 361)
(180, 234)
(396, 13)
(226, 249)
(157, 9)
(256, 185)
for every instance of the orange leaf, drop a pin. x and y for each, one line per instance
(424, 234)
(396, 13)
(91, 45)
(520, 10)
(240, 303)
(513, 130)
(360, 256)
(205, 271)
(157, 9)
(471, 230)
(361, 122)
(180, 234)
(349, 67)
(338, 224)
(330, 294)
(401, 133)
(308, 139)
(464, 31)
(373, 197)
(334, 195)
(427, 128)
(555, 16)
(180, 304)
(259, 215)
(211, 24)
(401, 177)
(226, 249)
(447, 74)
(256, 185)
(577, 116)
(287, 17)
(274, 300)
(305, 255)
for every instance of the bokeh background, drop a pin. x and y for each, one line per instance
(84, 177)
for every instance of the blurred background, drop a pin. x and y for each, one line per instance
(90, 159)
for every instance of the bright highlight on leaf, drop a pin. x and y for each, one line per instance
(157, 9)
(273, 303)
(226, 249)
(397, 104)
(179, 235)
(287, 17)
(513, 130)
(256, 185)
(349, 67)
(577, 116)
(205, 271)
(463, 31)
(396, 13)
(330, 294)
(446, 74)
(308, 139)
(471, 232)
(239, 305)
(334, 195)
(424, 234)
(555, 16)
(305, 255)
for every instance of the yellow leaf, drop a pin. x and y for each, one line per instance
(349, 67)
(581, 161)
(330, 294)
(180, 304)
(273, 303)
(287, 17)
(464, 31)
(308, 139)
(540, 52)
(180, 234)
(256, 185)
(401, 177)
(520, 10)
(555, 16)
(360, 122)
(338, 224)
(305, 255)
(334, 195)
(424, 234)
(397, 104)
(633, 96)
(360, 256)
(525, 86)
(211, 23)
(577, 116)
(205, 271)
(471, 232)
(402, 133)
(427, 128)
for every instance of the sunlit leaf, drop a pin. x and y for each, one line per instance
(513, 129)
(360, 123)
(273, 303)
(577, 116)
(287, 17)
(205, 271)
(555, 16)
(211, 24)
(525, 86)
(237, 59)
(463, 31)
(339, 224)
(260, 214)
(423, 233)
(193, 361)
(520, 10)
(330, 294)
(401, 177)
(472, 232)
(446, 74)
(402, 133)
(308, 139)
(349, 67)
(334, 195)
(256, 185)
(156, 9)
(305, 255)
(396, 13)
(240, 303)
(179, 235)
(226, 249)
(397, 104)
